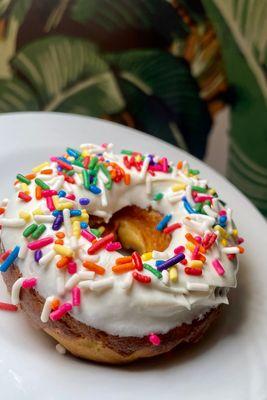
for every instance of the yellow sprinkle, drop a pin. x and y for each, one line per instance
(25, 215)
(173, 273)
(101, 229)
(83, 218)
(212, 191)
(222, 231)
(38, 211)
(39, 168)
(63, 250)
(178, 187)
(224, 242)
(190, 246)
(146, 256)
(60, 206)
(85, 153)
(196, 264)
(76, 229)
(235, 232)
(24, 188)
(138, 158)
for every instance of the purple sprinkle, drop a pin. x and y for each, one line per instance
(84, 201)
(38, 255)
(57, 222)
(171, 261)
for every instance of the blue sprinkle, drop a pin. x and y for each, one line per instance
(84, 225)
(56, 213)
(187, 206)
(75, 213)
(159, 262)
(164, 222)
(223, 220)
(95, 189)
(62, 193)
(38, 255)
(58, 221)
(10, 259)
(65, 160)
(73, 153)
(59, 168)
(84, 201)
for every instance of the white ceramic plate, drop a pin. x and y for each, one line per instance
(231, 361)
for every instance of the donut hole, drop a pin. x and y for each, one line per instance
(135, 228)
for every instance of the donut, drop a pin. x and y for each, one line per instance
(118, 256)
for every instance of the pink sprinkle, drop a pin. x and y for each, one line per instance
(164, 163)
(49, 193)
(179, 249)
(156, 167)
(113, 246)
(222, 213)
(38, 244)
(50, 204)
(201, 199)
(240, 240)
(87, 235)
(61, 311)
(154, 339)
(70, 196)
(76, 296)
(198, 239)
(72, 267)
(218, 266)
(195, 253)
(29, 283)
(53, 159)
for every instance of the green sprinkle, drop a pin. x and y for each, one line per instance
(108, 185)
(39, 231)
(86, 179)
(170, 169)
(207, 203)
(42, 184)
(193, 171)
(198, 207)
(199, 189)
(94, 182)
(70, 173)
(158, 196)
(93, 162)
(96, 232)
(105, 171)
(23, 179)
(154, 271)
(29, 230)
(127, 152)
(92, 172)
(78, 163)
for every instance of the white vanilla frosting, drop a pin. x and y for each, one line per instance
(118, 304)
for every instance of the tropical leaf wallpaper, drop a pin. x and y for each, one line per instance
(164, 67)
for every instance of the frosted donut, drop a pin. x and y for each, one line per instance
(118, 256)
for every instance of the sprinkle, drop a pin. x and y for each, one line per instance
(38, 244)
(172, 228)
(102, 284)
(137, 260)
(173, 274)
(8, 307)
(44, 219)
(101, 243)
(94, 267)
(63, 262)
(60, 312)
(231, 250)
(12, 222)
(196, 264)
(67, 222)
(127, 179)
(191, 239)
(60, 349)
(158, 196)
(199, 189)
(141, 278)
(61, 193)
(172, 261)
(63, 250)
(160, 254)
(38, 255)
(15, 291)
(114, 246)
(78, 277)
(154, 339)
(42, 184)
(195, 286)
(94, 189)
(45, 260)
(76, 296)
(178, 187)
(122, 268)
(218, 266)
(76, 229)
(29, 283)
(39, 231)
(146, 256)
(153, 270)
(39, 168)
(179, 249)
(64, 164)
(38, 193)
(193, 271)
(165, 277)
(58, 221)
(4, 255)
(29, 230)
(87, 235)
(47, 172)
(23, 179)
(163, 223)
(73, 153)
(187, 206)
(49, 193)
(47, 309)
(10, 259)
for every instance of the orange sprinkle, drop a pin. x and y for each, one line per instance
(241, 249)
(63, 262)
(30, 176)
(38, 192)
(121, 269)
(127, 179)
(123, 260)
(59, 241)
(201, 257)
(113, 174)
(2, 210)
(60, 235)
(47, 171)
(180, 165)
(191, 239)
(55, 304)
(94, 267)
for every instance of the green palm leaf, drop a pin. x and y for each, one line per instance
(16, 96)
(167, 91)
(67, 74)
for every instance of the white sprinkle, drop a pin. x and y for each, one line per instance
(160, 254)
(60, 349)
(73, 243)
(195, 286)
(126, 284)
(48, 219)
(16, 291)
(78, 180)
(144, 168)
(195, 226)
(47, 309)
(102, 176)
(59, 182)
(23, 249)
(67, 222)
(216, 204)
(97, 285)
(165, 277)
(174, 197)
(45, 177)
(229, 226)
(78, 277)
(47, 258)
(68, 188)
(77, 168)
(188, 193)
(12, 222)
(209, 211)
(230, 250)
(4, 202)
(184, 178)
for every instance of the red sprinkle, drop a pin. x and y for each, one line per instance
(179, 249)
(5, 255)
(8, 307)
(137, 260)
(2, 210)
(25, 197)
(141, 278)
(172, 227)
(193, 271)
(64, 165)
(101, 243)
(86, 162)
